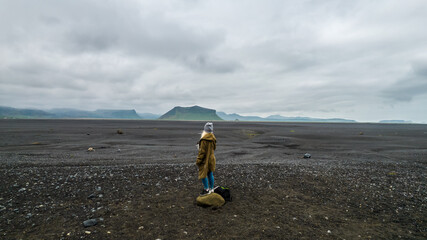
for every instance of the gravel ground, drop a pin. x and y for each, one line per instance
(363, 181)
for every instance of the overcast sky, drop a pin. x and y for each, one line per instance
(361, 60)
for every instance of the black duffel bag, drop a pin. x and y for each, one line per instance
(224, 192)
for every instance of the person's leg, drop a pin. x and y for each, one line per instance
(211, 180)
(205, 183)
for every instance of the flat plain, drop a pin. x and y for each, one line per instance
(363, 180)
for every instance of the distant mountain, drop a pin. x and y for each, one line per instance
(191, 113)
(305, 119)
(119, 114)
(71, 113)
(7, 112)
(394, 121)
(235, 116)
(278, 118)
(148, 116)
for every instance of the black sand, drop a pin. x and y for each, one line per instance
(364, 181)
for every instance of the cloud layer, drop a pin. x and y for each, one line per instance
(361, 60)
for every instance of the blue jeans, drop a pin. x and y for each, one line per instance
(208, 182)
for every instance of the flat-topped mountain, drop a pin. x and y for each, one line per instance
(191, 113)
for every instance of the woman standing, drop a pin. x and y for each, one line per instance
(206, 159)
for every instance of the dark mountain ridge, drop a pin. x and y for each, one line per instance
(191, 113)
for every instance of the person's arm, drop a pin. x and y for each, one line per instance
(202, 153)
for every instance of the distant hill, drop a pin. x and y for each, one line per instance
(235, 116)
(63, 113)
(278, 118)
(305, 119)
(191, 113)
(394, 121)
(8, 112)
(119, 114)
(71, 113)
(148, 116)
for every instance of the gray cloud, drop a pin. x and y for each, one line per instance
(206, 64)
(308, 58)
(412, 85)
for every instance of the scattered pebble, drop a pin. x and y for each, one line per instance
(90, 222)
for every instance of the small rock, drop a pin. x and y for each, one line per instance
(87, 232)
(90, 222)
(22, 189)
(329, 232)
(91, 196)
(307, 155)
(90, 149)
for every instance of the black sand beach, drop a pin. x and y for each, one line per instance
(363, 181)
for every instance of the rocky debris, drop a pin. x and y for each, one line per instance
(119, 131)
(92, 222)
(91, 149)
(355, 182)
(307, 155)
